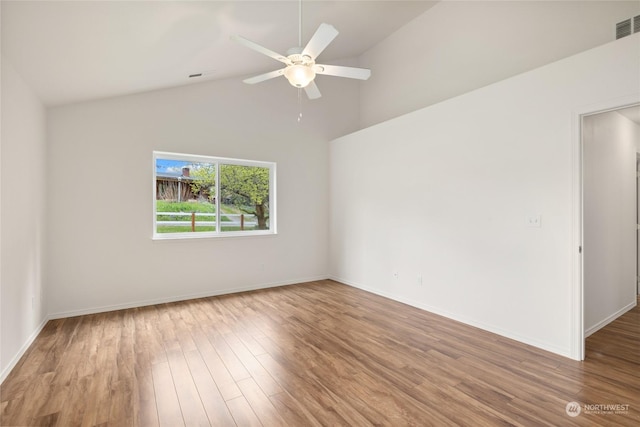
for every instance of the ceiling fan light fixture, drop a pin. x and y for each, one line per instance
(301, 67)
(299, 75)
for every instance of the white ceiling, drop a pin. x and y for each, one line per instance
(71, 51)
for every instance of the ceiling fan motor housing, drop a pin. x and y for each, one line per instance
(296, 56)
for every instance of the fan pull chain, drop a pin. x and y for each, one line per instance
(300, 45)
(299, 105)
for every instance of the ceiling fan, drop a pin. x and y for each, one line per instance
(301, 67)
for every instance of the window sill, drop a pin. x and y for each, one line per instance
(212, 236)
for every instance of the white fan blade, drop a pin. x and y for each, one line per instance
(312, 90)
(263, 77)
(340, 71)
(320, 40)
(261, 49)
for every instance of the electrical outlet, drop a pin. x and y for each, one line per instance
(534, 221)
(395, 275)
(419, 281)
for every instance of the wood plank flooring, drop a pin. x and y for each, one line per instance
(314, 354)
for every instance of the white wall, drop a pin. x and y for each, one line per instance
(445, 193)
(458, 46)
(23, 189)
(609, 159)
(100, 198)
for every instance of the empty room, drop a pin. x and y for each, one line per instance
(309, 213)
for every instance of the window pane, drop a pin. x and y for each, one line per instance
(185, 196)
(203, 196)
(244, 198)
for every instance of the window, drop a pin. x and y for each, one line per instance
(201, 196)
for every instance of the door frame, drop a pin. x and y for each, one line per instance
(577, 232)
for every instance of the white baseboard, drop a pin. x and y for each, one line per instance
(143, 303)
(12, 364)
(462, 319)
(609, 319)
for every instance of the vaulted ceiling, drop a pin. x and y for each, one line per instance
(74, 51)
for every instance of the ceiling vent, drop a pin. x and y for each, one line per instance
(628, 27)
(623, 29)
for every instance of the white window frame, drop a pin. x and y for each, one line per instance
(217, 161)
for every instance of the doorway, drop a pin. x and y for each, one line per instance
(610, 254)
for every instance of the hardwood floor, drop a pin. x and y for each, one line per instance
(313, 354)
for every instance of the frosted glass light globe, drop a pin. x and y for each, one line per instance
(299, 75)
